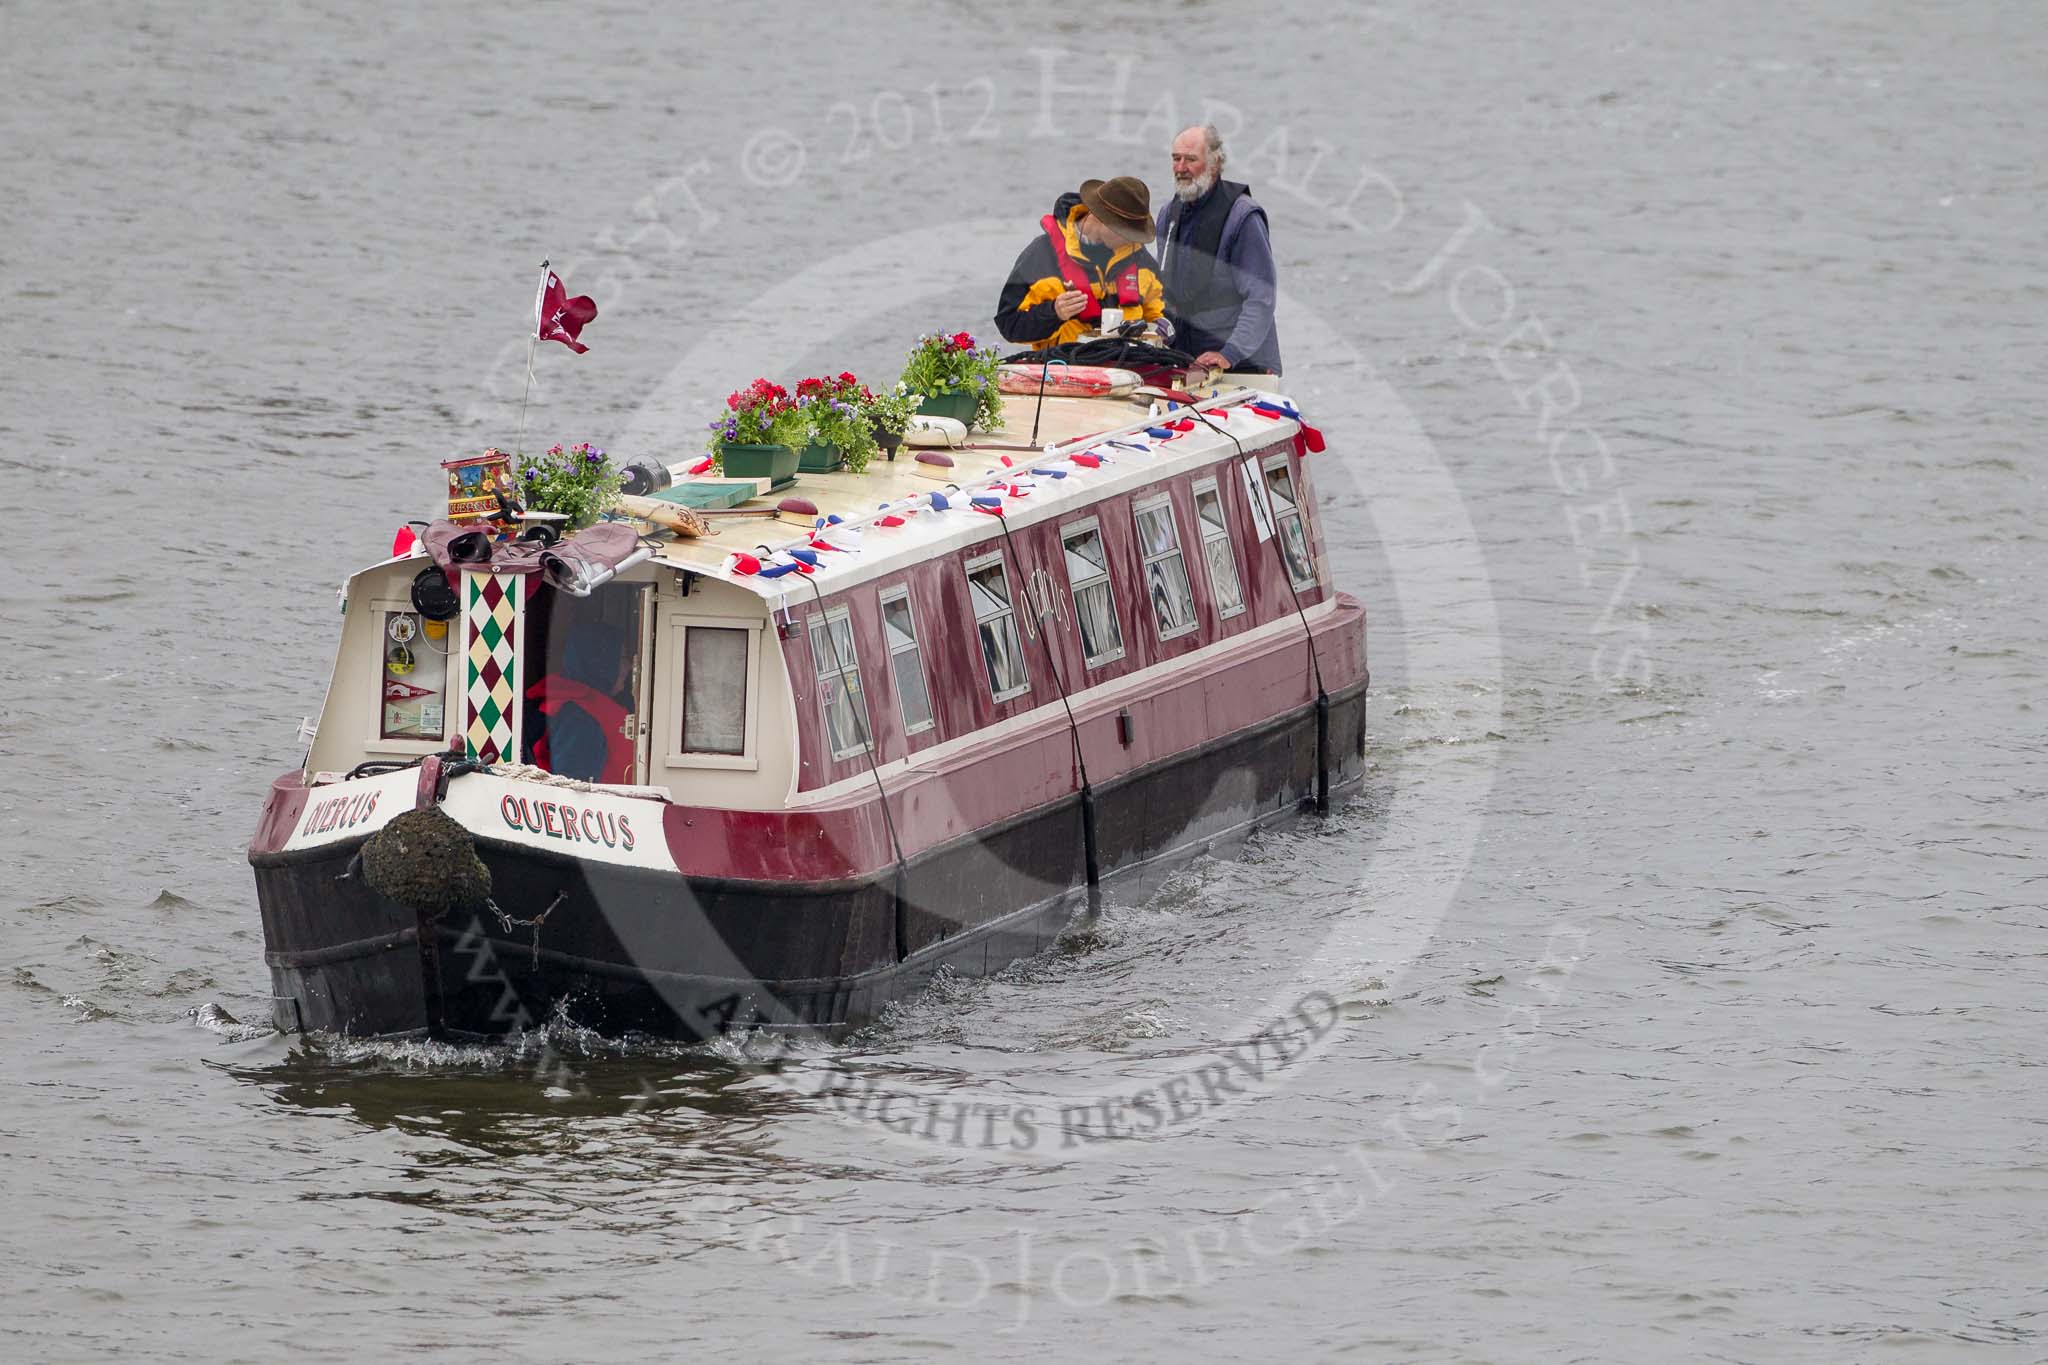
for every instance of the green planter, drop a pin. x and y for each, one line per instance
(959, 406)
(774, 463)
(817, 459)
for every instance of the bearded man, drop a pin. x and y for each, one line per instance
(1216, 262)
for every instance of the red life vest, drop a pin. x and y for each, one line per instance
(1076, 275)
(555, 692)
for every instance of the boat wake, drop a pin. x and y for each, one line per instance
(214, 1018)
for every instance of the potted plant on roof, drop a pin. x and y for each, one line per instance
(759, 435)
(889, 414)
(837, 422)
(956, 380)
(577, 484)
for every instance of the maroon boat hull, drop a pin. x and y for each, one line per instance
(624, 949)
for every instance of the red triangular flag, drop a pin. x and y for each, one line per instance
(560, 318)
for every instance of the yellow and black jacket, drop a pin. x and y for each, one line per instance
(1025, 313)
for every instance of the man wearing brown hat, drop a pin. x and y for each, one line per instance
(1090, 269)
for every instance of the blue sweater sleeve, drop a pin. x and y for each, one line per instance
(1250, 259)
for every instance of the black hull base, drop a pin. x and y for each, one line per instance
(621, 951)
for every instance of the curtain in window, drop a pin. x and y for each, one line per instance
(714, 690)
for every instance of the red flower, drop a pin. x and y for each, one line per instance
(962, 341)
(806, 387)
(848, 377)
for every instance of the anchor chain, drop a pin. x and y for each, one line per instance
(510, 922)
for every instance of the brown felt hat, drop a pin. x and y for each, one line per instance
(1124, 203)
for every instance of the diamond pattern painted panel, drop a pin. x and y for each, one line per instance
(490, 621)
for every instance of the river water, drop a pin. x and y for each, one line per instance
(1674, 990)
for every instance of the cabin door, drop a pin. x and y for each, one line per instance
(586, 683)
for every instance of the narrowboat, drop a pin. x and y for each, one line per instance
(779, 775)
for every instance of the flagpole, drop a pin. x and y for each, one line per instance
(519, 446)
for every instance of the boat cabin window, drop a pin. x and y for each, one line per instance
(715, 662)
(582, 661)
(1102, 636)
(1166, 573)
(414, 677)
(715, 689)
(906, 661)
(988, 587)
(840, 698)
(1301, 567)
(1217, 551)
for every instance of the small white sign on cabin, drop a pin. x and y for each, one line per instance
(1255, 494)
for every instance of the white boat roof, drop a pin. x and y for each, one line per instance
(1112, 429)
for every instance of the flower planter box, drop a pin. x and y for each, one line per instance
(818, 459)
(775, 463)
(961, 407)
